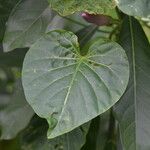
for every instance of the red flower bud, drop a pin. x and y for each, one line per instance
(99, 19)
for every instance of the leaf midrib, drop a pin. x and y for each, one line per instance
(134, 73)
(69, 89)
(81, 60)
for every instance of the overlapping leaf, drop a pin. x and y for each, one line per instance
(69, 89)
(68, 7)
(12, 59)
(98, 135)
(34, 137)
(27, 23)
(15, 113)
(133, 109)
(5, 10)
(139, 8)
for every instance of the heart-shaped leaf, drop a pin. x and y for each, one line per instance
(69, 89)
(68, 7)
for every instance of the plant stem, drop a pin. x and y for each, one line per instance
(92, 135)
(83, 25)
(111, 142)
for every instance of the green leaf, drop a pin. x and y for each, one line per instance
(57, 22)
(97, 136)
(68, 7)
(69, 89)
(133, 109)
(12, 59)
(34, 137)
(119, 141)
(27, 23)
(91, 141)
(139, 8)
(10, 144)
(15, 113)
(111, 142)
(146, 26)
(5, 9)
(85, 34)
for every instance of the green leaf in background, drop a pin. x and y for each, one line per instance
(15, 113)
(69, 89)
(68, 7)
(34, 137)
(27, 22)
(140, 8)
(6, 80)
(85, 34)
(146, 26)
(147, 32)
(13, 58)
(133, 109)
(91, 141)
(5, 9)
(119, 141)
(10, 144)
(98, 135)
(57, 22)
